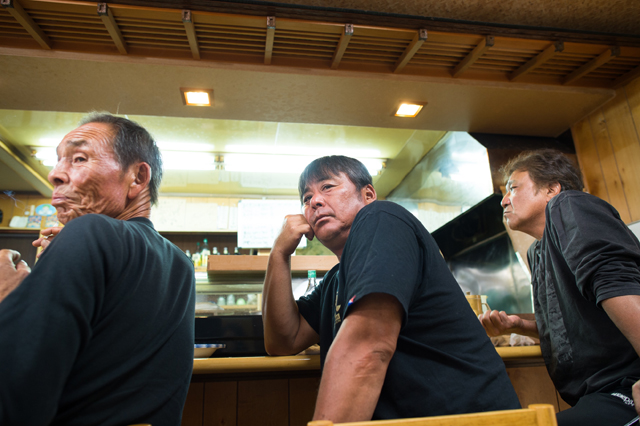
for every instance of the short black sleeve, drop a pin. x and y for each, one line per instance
(382, 257)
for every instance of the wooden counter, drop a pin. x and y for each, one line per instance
(247, 391)
(258, 364)
(512, 356)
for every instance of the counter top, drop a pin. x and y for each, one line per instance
(512, 356)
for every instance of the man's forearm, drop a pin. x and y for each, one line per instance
(280, 315)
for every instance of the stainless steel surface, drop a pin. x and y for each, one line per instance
(492, 268)
(454, 176)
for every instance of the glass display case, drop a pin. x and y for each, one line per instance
(229, 299)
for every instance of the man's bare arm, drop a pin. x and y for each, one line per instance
(624, 311)
(357, 362)
(499, 323)
(12, 272)
(286, 332)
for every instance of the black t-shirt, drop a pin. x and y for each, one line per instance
(101, 331)
(444, 362)
(586, 255)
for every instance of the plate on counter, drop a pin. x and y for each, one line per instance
(205, 350)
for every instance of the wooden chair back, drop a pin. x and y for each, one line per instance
(535, 415)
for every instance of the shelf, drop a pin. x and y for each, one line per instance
(10, 230)
(253, 264)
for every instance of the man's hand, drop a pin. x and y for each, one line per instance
(46, 236)
(293, 228)
(12, 272)
(499, 323)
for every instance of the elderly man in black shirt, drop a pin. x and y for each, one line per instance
(101, 331)
(585, 272)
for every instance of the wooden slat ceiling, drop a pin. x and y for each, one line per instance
(164, 33)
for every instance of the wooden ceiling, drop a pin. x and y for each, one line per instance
(489, 54)
(296, 63)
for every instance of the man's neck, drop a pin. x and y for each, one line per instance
(138, 207)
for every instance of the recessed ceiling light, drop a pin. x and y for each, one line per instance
(197, 97)
(407, 109)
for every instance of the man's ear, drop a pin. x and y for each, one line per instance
(369, 194)
(141, 178)
(553, 190)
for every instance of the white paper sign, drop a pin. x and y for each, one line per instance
(260, 221)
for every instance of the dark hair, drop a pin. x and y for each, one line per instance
(332, 165)
(546, 167)
(132, 143)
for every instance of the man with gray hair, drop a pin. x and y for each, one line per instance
(585, 273)
(101, 331)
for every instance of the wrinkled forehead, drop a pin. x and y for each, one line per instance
(96, 136)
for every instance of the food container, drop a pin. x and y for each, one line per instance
(205, 350)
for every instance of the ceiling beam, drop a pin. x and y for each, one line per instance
(537, 61)
(25, 171)
(342, 46)
(593, 64)
(474, 55)
(20, 15)
(189, 28)
(411, 50)
(271, 34)
(626, 78)
(112, 26)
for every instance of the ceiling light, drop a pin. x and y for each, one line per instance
(197, 97)
(47, 155)
(284, 163)
(409, 109)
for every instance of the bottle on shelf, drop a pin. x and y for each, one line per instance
(231, 300)
(225, 251)
(188, 253)
(204, 254)
(215, 251)
(195, 257)
(236, 251)
(311, 284)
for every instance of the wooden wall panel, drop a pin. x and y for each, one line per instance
(263, 402)
(632, 90)
(615, 132)
(303, 393)
(626, 146)
(609, 166)
(192, 411)
(533, 386)
(586, 148)
(220, 404)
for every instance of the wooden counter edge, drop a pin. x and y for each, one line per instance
(312, 362)
(256, 364)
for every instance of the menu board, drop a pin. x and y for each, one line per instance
(260, 221)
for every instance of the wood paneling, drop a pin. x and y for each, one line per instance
(263, 402)
(608, 147)
(533, 386)
(303, 393)
(608, 164)
(192, 411)
(220, 404)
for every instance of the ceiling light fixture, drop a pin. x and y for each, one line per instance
(409, 109)
(197, 97)
(47, 155)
